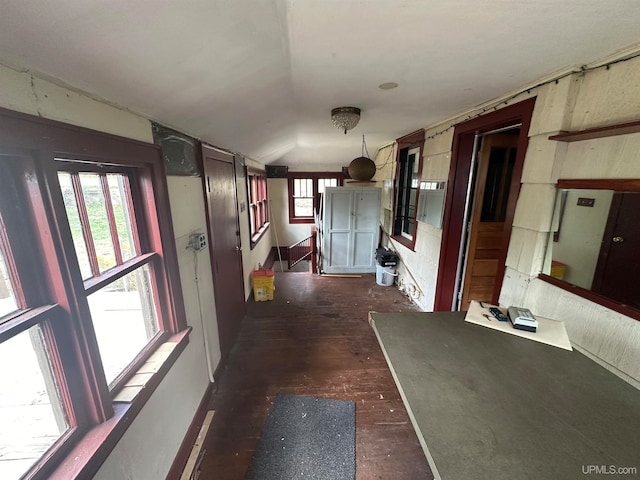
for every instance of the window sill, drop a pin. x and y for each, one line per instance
(86, 457)
(301, 220)
(409, 243)
(591, 296)
(256, 238)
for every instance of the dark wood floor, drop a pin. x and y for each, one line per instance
(314, 339)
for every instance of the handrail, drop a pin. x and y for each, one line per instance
(300, 251)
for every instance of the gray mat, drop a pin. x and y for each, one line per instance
(306, 437)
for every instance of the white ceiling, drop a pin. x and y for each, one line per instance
(261, 76)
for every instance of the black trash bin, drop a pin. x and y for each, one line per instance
(386, 261)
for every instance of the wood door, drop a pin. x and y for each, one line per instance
(487, 239)
(224, 244)
(616, 274)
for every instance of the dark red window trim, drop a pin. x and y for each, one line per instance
(314, 176)
(591, 296)
(404, 144)
(86, 457)
(618, 184)
(41, 146)
(260, 208)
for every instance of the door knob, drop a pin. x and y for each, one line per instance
(237, 248)
(618, 239)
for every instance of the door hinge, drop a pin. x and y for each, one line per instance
(208, 185)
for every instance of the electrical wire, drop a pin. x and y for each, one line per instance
(205, 335)
(494, 106)
(391, 150)
(275, 231)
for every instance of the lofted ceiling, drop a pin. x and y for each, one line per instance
(260, 77)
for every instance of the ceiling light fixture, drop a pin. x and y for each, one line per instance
(345, 118)
(388, 86)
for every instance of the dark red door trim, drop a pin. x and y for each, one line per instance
(462, 150)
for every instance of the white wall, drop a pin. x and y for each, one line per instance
(600, 97)
(149, 446)
(418, 269)
(284, 233)
(188, 212)
(579, 242)
(596, 98)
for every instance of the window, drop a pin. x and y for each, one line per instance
(258, 206)
(88, 285)
(407, 187)
(100, 212)
(305, 190)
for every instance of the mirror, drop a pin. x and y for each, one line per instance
(595, 239)
(431, 203)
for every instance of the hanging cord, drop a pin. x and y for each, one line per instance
(275, 231)
(386, 162)
(364, 148)
(205, 334)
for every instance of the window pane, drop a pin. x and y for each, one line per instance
(303, 207)
(98, 220)
(302, 187)
(252, 216)
(124, 319)
(8, 301)
(326, 182)
(31, 412)
(74, 222)
(121, 201)
(253, 192)
(407, 194)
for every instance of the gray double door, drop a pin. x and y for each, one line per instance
(351, 229)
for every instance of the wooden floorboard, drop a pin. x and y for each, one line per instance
(314, 339)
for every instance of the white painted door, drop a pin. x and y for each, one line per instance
(351, 229)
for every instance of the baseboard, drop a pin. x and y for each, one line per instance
(190, 437)
(219, 369)
(273, 256)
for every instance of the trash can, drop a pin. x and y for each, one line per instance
(386, 262)
(263, 286)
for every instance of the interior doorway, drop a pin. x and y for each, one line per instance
(485, 238)
(486, 166)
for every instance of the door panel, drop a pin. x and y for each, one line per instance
(339, 251)
(339, 205)
(618, 265)
(362, 248)
(224, 244)
(484, 268)
(487, 236)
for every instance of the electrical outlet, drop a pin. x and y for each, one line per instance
(197, 241)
